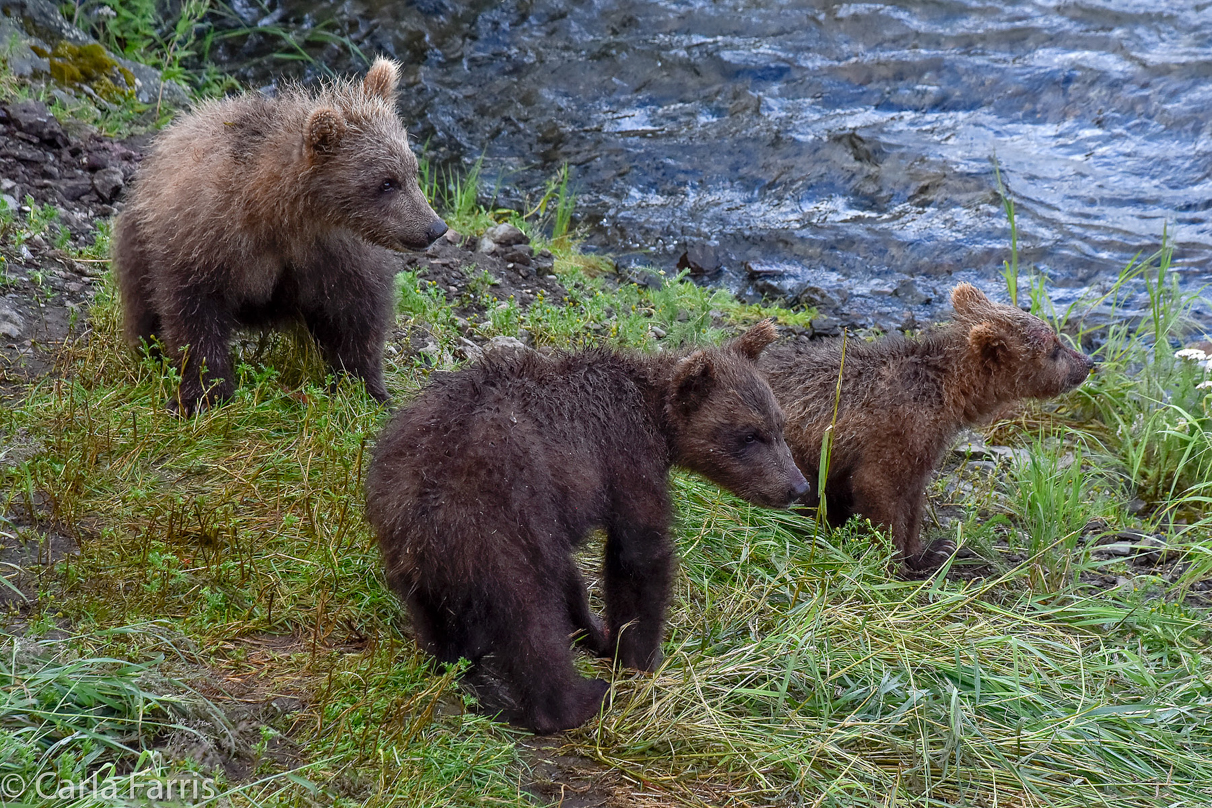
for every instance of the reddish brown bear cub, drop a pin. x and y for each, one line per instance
(903, 402)
(480, 490)
(252, 211)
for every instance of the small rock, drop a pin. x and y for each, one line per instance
(657, 331)
(33, 118)
(65, 98)
(486, 245)
(1144, 548)
(907, 291)
(502, 343)
(11, 323)
(643, 277)
(756, 269)
(431, 349)
(74, 189)
(1097, 525)
(701, 258)
(6, 184)
(1114, 549)
(10, 203)
(506, 235)
(817, 297)
(108, 183)
(825, 326)
(470, 349)
(97, 160)
(974, 448)
(544, 261)
(453, 236)
(968, 443)
(986, 467)
(1204, 345)
(746, 103)
(520, 254)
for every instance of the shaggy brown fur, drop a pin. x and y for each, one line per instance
(481, 489)
(254, 210)
(903, 401)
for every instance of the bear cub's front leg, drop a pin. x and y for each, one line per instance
(639, 573)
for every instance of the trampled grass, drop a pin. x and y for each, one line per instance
(800, 672)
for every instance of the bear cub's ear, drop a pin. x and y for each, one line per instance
(325, 129)
(968, 301)
(382, 79)
(988, 341)
(755, 340)
(693, 381)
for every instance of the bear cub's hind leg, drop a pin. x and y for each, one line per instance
(534, 654)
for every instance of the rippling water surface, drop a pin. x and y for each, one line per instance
(835, 148)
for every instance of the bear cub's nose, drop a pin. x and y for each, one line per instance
(799, 486)
(436, 231)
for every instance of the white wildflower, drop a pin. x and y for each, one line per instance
(105, 13)
(1194, 354)
(1204, 385)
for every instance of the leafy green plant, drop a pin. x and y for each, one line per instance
(1148, 398)
(560, 200)
(504, 319)
(1009, 267)
(1052, 499)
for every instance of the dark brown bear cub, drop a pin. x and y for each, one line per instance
(480, 490)
(251, 211)
(903, 402)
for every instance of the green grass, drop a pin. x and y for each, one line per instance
(797, 669)
(67, 716)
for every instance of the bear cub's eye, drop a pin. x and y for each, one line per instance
(389, 185)
(752, 437)
(1056, 352)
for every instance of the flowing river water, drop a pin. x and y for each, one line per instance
(840, 154)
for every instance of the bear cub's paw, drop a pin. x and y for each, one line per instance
(932, 557)
(582, 704)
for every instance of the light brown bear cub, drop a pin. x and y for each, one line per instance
(903, 401)
(252, 211)
(480, 490)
